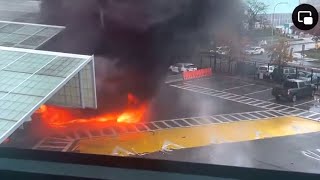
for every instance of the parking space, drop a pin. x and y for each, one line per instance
(247, 90)
(259, 97)
(303, 103)
(254, 90)
(264, 94)
(220, 83)
(197, 113)
(311, 104)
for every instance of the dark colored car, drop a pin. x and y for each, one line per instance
(293, 89)
(313, 78)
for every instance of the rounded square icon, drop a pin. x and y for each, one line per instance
(305, 17)
(308, 20)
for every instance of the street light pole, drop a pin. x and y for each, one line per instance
(274, 10)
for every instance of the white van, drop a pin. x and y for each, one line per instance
(265, 70)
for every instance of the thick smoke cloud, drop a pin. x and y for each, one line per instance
(135, 40)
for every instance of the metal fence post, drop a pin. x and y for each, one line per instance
(215, 61)
(311, 75)
(254, 73)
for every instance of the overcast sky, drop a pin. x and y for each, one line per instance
(281, 8)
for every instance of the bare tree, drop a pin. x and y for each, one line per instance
(254, 8)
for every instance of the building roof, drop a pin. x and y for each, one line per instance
(29, 78)
(26, 35)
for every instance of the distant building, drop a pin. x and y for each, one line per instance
(287, 28)
(279, 19)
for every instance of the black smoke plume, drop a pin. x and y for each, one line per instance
(135, 40)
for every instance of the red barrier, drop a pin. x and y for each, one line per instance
(197, 74)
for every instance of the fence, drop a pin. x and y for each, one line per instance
(248, 68)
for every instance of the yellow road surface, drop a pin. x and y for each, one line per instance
(178, 138)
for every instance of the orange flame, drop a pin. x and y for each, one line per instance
(58, 117)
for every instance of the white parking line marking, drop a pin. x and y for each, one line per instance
(238, 87)
(305, 102)
(272, 106)
(186, 122)
(258, 104)
(295, 111)
(212, 117)
(253, 102)
(223, 117)
(311, 115)
(164, 122)
(286, 109)
(262, 115)
(245, 101)
(253, 115)
(246, 115)
(154, 124)
(302, 113)
(225, 95)
(257, 92)
(231, 97)
(281, 109)
(235, 117)
(272, 115)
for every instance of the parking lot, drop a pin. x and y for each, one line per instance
(253, 89)
(218, 110)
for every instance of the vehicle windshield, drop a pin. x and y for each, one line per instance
(290, 85)
(143, 79)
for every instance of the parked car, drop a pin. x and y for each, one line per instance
(265, 70)
(282, 74)
(293, 89)
(305, 75)
(223, 50)
(292, 36)
(255, 50)
(182, 67)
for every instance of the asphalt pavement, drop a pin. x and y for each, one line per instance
(172, 103)
(185, 115)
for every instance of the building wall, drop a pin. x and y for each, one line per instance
(279, 18)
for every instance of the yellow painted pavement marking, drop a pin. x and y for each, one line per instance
(178, 138)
